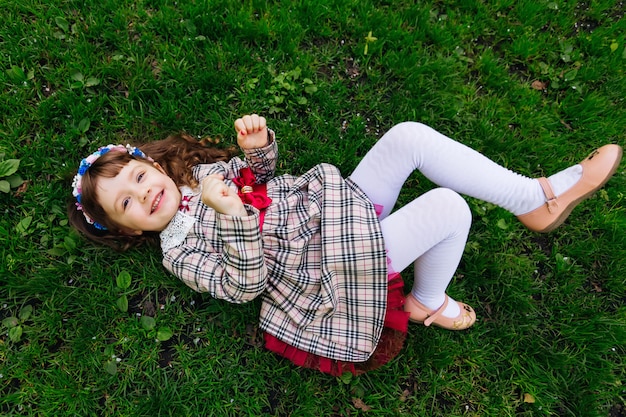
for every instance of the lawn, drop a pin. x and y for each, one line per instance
(534, 85)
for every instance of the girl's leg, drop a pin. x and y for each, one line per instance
(430, 232)
(409, 146)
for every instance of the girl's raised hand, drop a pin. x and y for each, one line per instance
(251, 131)
(221, 198)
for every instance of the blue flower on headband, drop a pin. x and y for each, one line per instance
(77, 190)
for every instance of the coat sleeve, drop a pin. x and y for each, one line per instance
(227, 261)
(234, 270)
(262, 161)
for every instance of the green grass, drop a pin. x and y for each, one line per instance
(551, 335)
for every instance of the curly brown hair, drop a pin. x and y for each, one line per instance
(177, 155)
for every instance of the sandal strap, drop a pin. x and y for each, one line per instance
(549, 192)
(437, 313)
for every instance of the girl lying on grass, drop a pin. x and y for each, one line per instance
(322, 251)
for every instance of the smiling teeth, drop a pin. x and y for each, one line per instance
(156, 203)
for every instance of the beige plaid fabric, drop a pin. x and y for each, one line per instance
(319, 264)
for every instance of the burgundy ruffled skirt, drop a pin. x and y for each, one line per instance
(389, 345)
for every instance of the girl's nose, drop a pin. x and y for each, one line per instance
(145, 193)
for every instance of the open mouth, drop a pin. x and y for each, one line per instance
(156, 202)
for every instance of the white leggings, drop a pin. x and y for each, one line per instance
(432, 230)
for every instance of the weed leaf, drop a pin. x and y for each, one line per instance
(14, 181)
(15, 333)
(9, 167)
(570, 75)
(123, 280)
(23, 225)
(25, 312)
(164, 333)
(110, 367)
(69, 244)
(122, 303)
(16, 74)
(57, 250)
(147, 322)
(346, 378)
(83, 125)
(91, 82)
(77, 76)
(5, 187)
(10, 322)
(62, 23)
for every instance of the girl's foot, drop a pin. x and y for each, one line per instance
(597, 168)
(419, 313)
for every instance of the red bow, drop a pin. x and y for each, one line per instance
(250, 192)
(184, 203)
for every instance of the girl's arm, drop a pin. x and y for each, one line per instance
(262, 161)
(229, 263)
(231, 268)
(259, 146)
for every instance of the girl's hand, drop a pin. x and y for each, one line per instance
(221, 198)
(251, 131)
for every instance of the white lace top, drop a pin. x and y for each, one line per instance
(178, 228)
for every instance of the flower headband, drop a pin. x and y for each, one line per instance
(88, 162)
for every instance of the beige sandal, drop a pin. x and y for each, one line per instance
(597, 169)
(419, 313)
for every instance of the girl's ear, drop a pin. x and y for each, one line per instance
(159, 167)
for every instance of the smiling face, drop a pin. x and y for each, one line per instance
(140, 198)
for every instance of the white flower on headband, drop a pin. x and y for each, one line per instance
(77, 190)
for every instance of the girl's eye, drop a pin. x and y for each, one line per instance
(140, 176)
(125, 203)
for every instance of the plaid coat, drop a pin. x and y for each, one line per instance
(319, 263)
